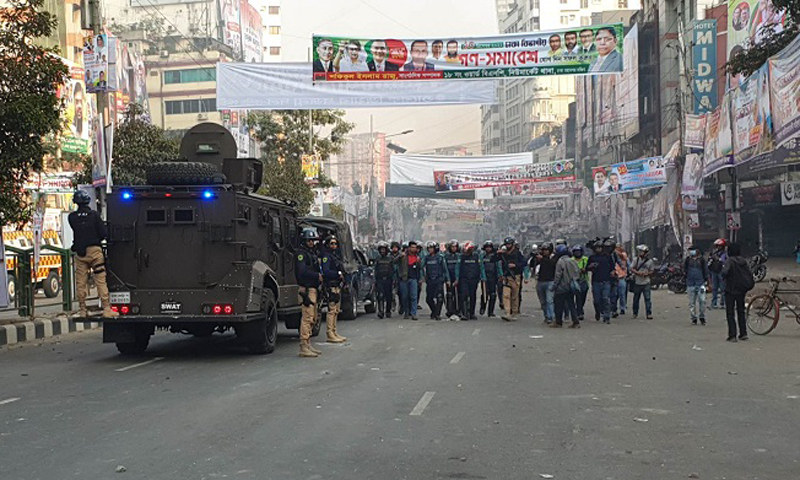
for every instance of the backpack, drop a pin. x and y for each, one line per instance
(744, 278)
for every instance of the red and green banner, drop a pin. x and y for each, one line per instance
(582, 50)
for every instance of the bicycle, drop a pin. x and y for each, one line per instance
(764, 311)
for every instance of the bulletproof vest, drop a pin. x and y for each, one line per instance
(451, 260)
(470, 267)
(490, 265)
(384, 266)
(433, 268)
(309, 258)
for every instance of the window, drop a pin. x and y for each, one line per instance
(190, 75)
(584, 3)
(274, 30)
(277, 239)
(179, 107)
(563, 2)
(274, 50)
(183, 216)
(274, 10)
(622, 4)
(586, 21)
(564, 19)
(572, 17)
(156, 216)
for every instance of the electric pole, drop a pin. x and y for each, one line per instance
(102, 100)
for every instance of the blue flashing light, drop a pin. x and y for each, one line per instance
(208, 194)
(126, 195)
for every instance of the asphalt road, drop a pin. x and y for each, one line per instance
(636, 399)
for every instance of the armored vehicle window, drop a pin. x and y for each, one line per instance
(244, 213)
(157, 216)
(277, 239)
(263, 218)
(183, 216)
(288, 238)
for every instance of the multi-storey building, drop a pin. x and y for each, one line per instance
(271, 16)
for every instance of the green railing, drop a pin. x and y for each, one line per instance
(25, 287)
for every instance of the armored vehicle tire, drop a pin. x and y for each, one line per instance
(349, 307)
(184, 173)
(136, 347)
(52, 285)
(261, 336)
(371, 307)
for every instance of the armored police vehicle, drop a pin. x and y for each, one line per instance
(197, 251)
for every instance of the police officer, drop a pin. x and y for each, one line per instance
(89, 231)
(513, 264)
(384, 280)
(451, 260)
(309, 278)
(435, 272)
(490, 276)
(395, 254)
(333, 277)
(469, 276)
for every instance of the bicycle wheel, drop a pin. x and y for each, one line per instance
(763, 314)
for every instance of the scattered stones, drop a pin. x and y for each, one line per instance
(694, 475)
(640, 419)
(121, 468)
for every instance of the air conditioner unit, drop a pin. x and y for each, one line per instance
(164, 53)
(202, 116)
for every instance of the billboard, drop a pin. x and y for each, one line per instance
(629, 176)
(230, 12)
(532, 54)
(75, 135)
(790, 193)
(748, 22)
(718, 145)
(627, 88)
(252, 27)
(695, 131)
(448, 180)
(784, 82)
(704, 65)
(752, 119)
(692, 176)
(95, 63)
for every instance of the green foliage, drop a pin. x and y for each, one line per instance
(137, 145)
(284, 136)
(337, 211)
(754, 56)
(30, 109)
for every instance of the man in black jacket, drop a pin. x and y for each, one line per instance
(89, 232)
(309, 278)
(513, 263)
(738, 281)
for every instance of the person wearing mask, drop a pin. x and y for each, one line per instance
(384, 280)
(547, 273)
(602, 268)
(435, 273)
(716, 260)
(513, 265)
(564, 287)
(738, 281)
(491, 275)
(309, 278)
(469, 276)
(642, 269)
(697, 280)
(619, 296)
(452, 259)
(395, 254)
(583, 281)
(410, 273)
(333, 278)
(89, 231)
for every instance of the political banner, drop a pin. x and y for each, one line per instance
(448, 180)
(752, 123)
(733, 220)
(750, 21)
(629, 176)
(704, 65)
(252, 27)
(419, 169)
(288, 86)
(695, 131)
(544, 189)
(231, 19)
(689, 203)
(311, 166)
(75, 135)
(784, 82)
(718, 149)
(95, 63)
(694, 221)
(99, 153)
(790, 193)
(692, 176)
(593, 49)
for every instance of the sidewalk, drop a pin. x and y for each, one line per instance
(49, 321)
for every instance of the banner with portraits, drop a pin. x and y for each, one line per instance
(695, 131)
(596, 49)
(692, 175)
(749, 21)
(718, 149)
(75, 137)
(559, 171)
(752, 119)
(630, 176)
(784, 82)
(95, 63)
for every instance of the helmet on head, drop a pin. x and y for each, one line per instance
(394, 244)
(430, 245)
(404, 245)
(547, 246)
(452, 243)
(609, 243)
(642, 248)
(720, 242)
(509, 241)
(469, 246)
(81, 198)
(309, 234)
(561, 241)
(331, 238)
(488, 243)
(562, 249)
(534, 247)
(383, 244)
(577, 249)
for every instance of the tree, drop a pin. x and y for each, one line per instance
(753, 56)
(284, 136)
(30, 109)
(137, 145)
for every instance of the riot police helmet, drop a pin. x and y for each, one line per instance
(81, 198)
(509, 241)
(577, 249)
(562, 249)
(488, 244)
(309, 234)
(561, 241)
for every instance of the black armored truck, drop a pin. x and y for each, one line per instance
(197, 251)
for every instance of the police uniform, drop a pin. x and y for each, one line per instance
(332, 272)
(469, 275)
(306, 267)
(491, 276)
(89, 231)
(384, 283)
(451, 261)
(435, 272)
(512, 279)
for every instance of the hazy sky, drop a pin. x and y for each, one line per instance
(433, 126)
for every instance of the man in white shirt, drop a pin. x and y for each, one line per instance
(437, 50)
(352, 61)
(378, 62)
(608, 59)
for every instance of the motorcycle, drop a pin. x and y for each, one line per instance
(660, 276)
(758, 265)
(676, 279)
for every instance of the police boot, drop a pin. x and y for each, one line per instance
(381, 308)
(492, 300)
(336, 332)
(311, 347)
(306, 351)
(332, 337)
